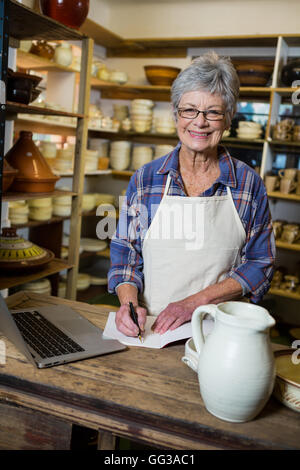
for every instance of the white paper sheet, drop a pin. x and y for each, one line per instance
(151, 340)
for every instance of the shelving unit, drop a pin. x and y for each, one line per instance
(28, 24)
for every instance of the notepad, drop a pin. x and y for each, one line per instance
(151, 339)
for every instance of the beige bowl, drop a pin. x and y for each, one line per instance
(287, 384)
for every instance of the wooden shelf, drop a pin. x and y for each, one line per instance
(284, 143)
(288, 197)
(25, 23)
(55, 266)
(14, 196)
(44, 126)
(112, 90)
(285, 293)
(37, 223)
(16, 108)
(28, 61)
(288, 246)
(124, 173)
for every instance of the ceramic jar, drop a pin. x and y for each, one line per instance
(71, 13)
(34, 174)
(63, 54)
(236, 369)
(42, 49)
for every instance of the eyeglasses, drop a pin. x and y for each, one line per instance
(192, 113)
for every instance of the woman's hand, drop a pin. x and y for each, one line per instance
(174, 315)
(124, 322)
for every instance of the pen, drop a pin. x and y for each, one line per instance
(135, 320)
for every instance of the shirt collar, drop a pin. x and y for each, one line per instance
(227, 169)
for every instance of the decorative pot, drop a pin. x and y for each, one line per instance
(34, 174)
(236, 369)
(71, 13)
(17, 253)
(63, 54)
(290, 72)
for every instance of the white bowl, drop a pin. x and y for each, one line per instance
(142, 102)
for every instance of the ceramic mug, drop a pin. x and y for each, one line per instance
(271, 183)
(287, 185)
(289, 173)
(277, 228)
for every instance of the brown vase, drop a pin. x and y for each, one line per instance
(71, 13)
(35, 174)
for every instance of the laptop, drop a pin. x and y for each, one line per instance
(54, 334)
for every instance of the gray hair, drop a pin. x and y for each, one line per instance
(212, 73)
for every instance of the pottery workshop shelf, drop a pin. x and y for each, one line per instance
(15, 108)
(44, 126)
(28, 61)
(288, 246)
(14, 196)
(288, 197)
(25, 23)
(285, 293)
(53, 267)
(37, 223)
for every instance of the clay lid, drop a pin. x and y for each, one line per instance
(18, 253)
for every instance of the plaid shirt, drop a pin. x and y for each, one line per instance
(146, 188)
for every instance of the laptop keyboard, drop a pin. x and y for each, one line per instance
(44, 337)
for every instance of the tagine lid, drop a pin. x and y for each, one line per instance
(17, 253)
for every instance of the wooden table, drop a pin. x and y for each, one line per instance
(146, 395)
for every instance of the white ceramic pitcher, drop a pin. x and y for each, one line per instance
(236, 368)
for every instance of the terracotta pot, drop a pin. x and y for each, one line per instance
(71, 13)
(35, 174)
(17, 253)
(9, 174)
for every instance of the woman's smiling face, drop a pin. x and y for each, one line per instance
(199, 134)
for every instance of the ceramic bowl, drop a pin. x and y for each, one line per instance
(161, 75)
(287, 384)
(142, 102)
(253, 72)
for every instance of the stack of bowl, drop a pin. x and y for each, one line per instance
(164, 124)
(48, 150)
(40, 286)
(90, 160)
(162, 150)
(65, 159)
(140, 156)
(40, 209)
(141, 114)
(62, 206)
(88, 202)
(18, 212)
(249, 130)
(120, 155)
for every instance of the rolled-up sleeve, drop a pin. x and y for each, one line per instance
(258, 254)
(125, 248)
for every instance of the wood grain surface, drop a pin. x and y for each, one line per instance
(147, 395)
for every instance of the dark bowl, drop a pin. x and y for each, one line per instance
(252, 72)
(20, 86)
(290, 72)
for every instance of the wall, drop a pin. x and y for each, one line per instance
(167, 18)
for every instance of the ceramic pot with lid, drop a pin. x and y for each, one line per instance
(63, 54)
(42, 49)
(17, 253)
(34, 174)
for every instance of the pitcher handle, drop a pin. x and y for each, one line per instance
(197, 319)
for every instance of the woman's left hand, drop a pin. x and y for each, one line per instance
(174, 315)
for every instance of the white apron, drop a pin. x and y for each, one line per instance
(192, 242)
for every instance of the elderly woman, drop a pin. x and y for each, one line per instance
(196, 227)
